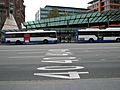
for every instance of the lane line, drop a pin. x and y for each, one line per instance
(24, 50)
(58, 50)
(30, 52)
(58, 58)
(26, 57)
(57, 54)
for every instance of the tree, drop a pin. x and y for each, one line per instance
(66, 14)
(53, 13)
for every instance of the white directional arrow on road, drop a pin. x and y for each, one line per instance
(59, 61)
(71, 75)
(59, 58)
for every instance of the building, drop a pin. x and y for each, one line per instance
(15, 7)
(104, 5)
(42, 13)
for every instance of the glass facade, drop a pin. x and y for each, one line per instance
(115, 1)
(43, 12)
(107, 2)
(106, 8)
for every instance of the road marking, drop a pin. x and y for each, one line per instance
(68, 52)
(60, 68)
(23, 50)
(30, 52)
(71, 75)
(26, 57)
(59, 61)
(74, 75)
(103, 59)
(58, 50)
(59, 58)
(56, 54)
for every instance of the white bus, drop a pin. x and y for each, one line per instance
(99, 35)
(31, 37)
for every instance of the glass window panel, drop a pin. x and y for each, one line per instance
(76, 21)
(67, 17)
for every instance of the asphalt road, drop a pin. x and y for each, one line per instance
(86, 66)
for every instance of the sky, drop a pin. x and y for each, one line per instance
(32, 6)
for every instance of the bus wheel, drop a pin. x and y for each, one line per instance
(18, 42)
(45, 41)
(118, 39)
(91, 40)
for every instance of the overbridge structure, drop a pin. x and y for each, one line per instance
(82, 20)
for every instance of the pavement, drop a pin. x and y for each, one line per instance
(85, 66)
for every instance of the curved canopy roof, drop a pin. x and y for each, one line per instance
(80, 20)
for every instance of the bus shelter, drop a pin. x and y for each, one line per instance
(81, 20)
(68, 25)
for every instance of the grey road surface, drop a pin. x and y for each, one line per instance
(86, 66)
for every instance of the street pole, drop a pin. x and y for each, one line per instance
(108, 23)
(88, 22)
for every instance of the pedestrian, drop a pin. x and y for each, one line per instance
(69, 38)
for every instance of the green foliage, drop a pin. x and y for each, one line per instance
(66, 14)
(53, 13)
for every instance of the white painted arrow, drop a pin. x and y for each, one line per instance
(58, 61)
(59, 58)
(71, 75)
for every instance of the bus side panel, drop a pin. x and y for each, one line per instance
(13, 40)
(110, 38)
(39, 40)
(85, 38)
(52, 40)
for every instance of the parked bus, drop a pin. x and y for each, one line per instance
(31, 37)
(99, 35)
